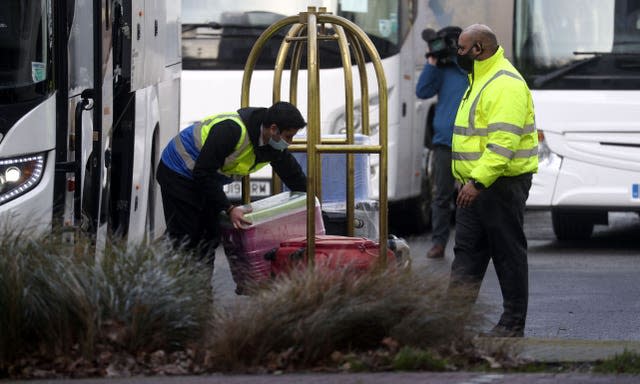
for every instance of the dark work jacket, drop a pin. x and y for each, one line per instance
(221, 142)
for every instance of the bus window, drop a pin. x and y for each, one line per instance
(23, 50)
(220, 37)
(379, 19)
(578, 44)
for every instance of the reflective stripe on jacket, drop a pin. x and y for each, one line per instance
(494, 133)
(190, 141)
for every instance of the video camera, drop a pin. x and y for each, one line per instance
(443, 45)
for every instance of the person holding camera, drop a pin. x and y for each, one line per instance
(443, 77)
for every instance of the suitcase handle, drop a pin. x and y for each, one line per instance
(271, 255)
(298, 254)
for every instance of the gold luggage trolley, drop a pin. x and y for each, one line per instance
(310, 27)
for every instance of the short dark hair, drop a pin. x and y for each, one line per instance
(284, 115)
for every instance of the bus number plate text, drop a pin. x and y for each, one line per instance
(258, 189)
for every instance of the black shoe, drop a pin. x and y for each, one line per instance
(503, 331)
(436, 252)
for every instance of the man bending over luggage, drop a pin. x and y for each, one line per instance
(207, 155)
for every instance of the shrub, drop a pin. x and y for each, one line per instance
(153, 298)
(411, 359)
(626, 362)
(56, 297)
(308, 315)
(43, 301)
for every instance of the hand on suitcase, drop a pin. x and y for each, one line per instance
(236, 215)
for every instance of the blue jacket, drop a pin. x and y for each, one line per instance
(449, 83)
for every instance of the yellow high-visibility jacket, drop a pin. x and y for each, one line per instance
(240, 162)
(494, 133)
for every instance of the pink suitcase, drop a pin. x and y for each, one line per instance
(275, 219)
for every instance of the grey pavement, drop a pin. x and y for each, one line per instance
(370, 378)
(555, 350)
(586, 318)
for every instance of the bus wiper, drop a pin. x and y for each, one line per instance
(544, 79)
(611, 53)
(216, 25)
(191, 27)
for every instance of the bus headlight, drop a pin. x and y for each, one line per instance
(546, 157)
(19, 175)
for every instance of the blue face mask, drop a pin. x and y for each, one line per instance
(278, 145)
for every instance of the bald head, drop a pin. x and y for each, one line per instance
(481, 36)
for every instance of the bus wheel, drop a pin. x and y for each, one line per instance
(150, 220)
(413, 216)
(574, 225)
(419, 211)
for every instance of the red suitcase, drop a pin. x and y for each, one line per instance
(332, 252)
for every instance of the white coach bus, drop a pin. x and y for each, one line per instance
(217, 36)
(89, 94)
(581, 59)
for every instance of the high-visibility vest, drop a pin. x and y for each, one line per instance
(494, 133)
(240, 162)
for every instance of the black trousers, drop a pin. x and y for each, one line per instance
(189, 223)
(443, 191)
(492, 228)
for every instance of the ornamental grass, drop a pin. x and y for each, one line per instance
(66, 311)
(304, 319)
(59, 298)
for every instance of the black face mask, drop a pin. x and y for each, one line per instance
(466, 61)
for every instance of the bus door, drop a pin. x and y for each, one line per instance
(411, 119)
(90, 106)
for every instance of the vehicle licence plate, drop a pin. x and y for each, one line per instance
(259, 188)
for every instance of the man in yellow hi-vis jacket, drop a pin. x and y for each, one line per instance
(205, 156)
(494, 154)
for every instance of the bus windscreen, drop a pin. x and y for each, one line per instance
(216, 37)
(578, 44)
(24, 50)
